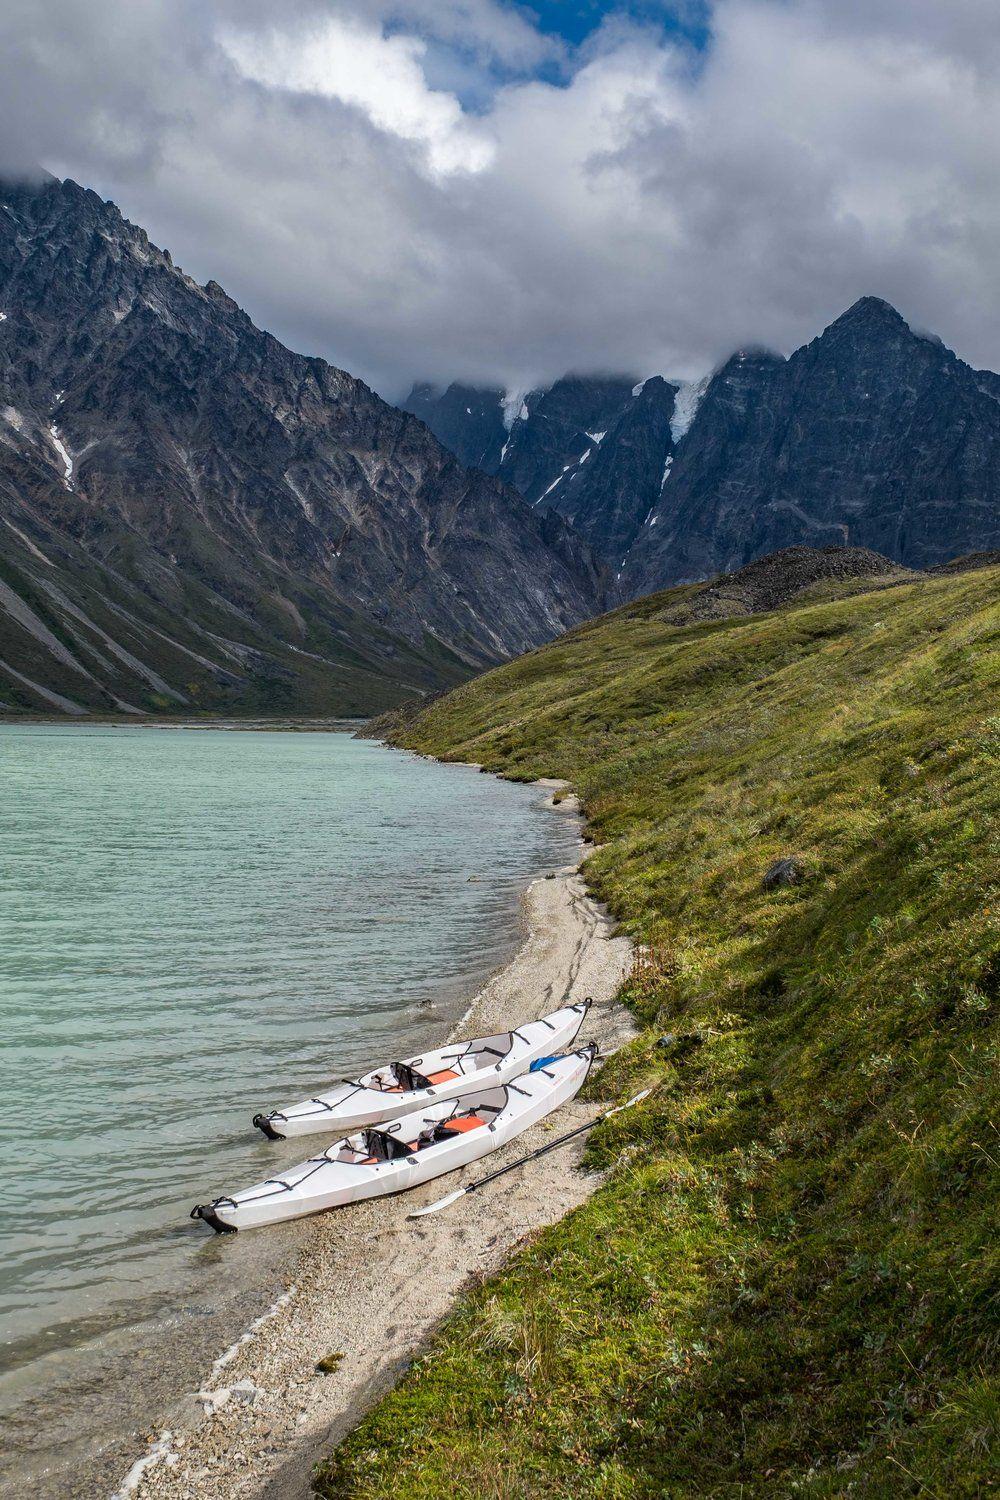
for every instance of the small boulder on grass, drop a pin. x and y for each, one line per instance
(677, 1044)
(783, 873)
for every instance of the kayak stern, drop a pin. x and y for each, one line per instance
(207, 1212)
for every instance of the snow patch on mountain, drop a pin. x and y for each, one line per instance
(64, 454)
(515, 407)
(686, 403)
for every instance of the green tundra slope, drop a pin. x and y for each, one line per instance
(788, 1283)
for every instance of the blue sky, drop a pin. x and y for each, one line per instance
(575, 20)
(568, 33)
(457, 63)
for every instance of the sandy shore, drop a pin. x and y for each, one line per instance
(371, 1285)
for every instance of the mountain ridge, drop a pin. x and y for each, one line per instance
(872, 434)
(161, 455)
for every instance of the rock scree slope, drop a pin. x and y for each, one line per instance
(191, 515)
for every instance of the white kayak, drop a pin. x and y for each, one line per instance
(389, 1159)
(403, 1087)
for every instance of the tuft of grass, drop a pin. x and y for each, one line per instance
(789, 1282)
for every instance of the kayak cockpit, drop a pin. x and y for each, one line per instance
(418, 1073)
(405, 1138)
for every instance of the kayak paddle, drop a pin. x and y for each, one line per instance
(470, 1187)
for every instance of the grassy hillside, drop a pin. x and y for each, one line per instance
(788, 1284)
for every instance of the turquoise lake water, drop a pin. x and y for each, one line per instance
(197, 924)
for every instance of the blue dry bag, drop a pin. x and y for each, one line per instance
(543, 1062)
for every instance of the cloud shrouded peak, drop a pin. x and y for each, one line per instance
(447, 190)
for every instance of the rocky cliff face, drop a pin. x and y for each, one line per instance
(192, 514)
(468, 420)
(532, 440)
(592, 449)
(871, 436)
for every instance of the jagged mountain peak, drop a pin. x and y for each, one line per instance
(871, 323)
(743, 363)
(879, 324)
(654, 388)
(872, 434)
(869, 436)
(871, 311)
(259, 523)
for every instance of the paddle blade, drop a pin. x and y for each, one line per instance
(433, 1208)
(635, 1099)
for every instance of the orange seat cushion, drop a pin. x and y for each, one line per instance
(468, 1122)
(442, 1077)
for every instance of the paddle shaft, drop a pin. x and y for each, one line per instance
(532, 1155)
(523, 1160)
(550, 1145)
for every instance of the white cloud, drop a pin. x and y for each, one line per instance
(648, 211)
(344, 58)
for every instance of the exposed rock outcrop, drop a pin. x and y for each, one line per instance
(785, 577)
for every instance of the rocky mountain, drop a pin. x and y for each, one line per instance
(593, 449)
(193, 516)
(469, 421)
(872, 435)
(529, 439)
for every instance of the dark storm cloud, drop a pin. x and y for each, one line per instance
(434, 188)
